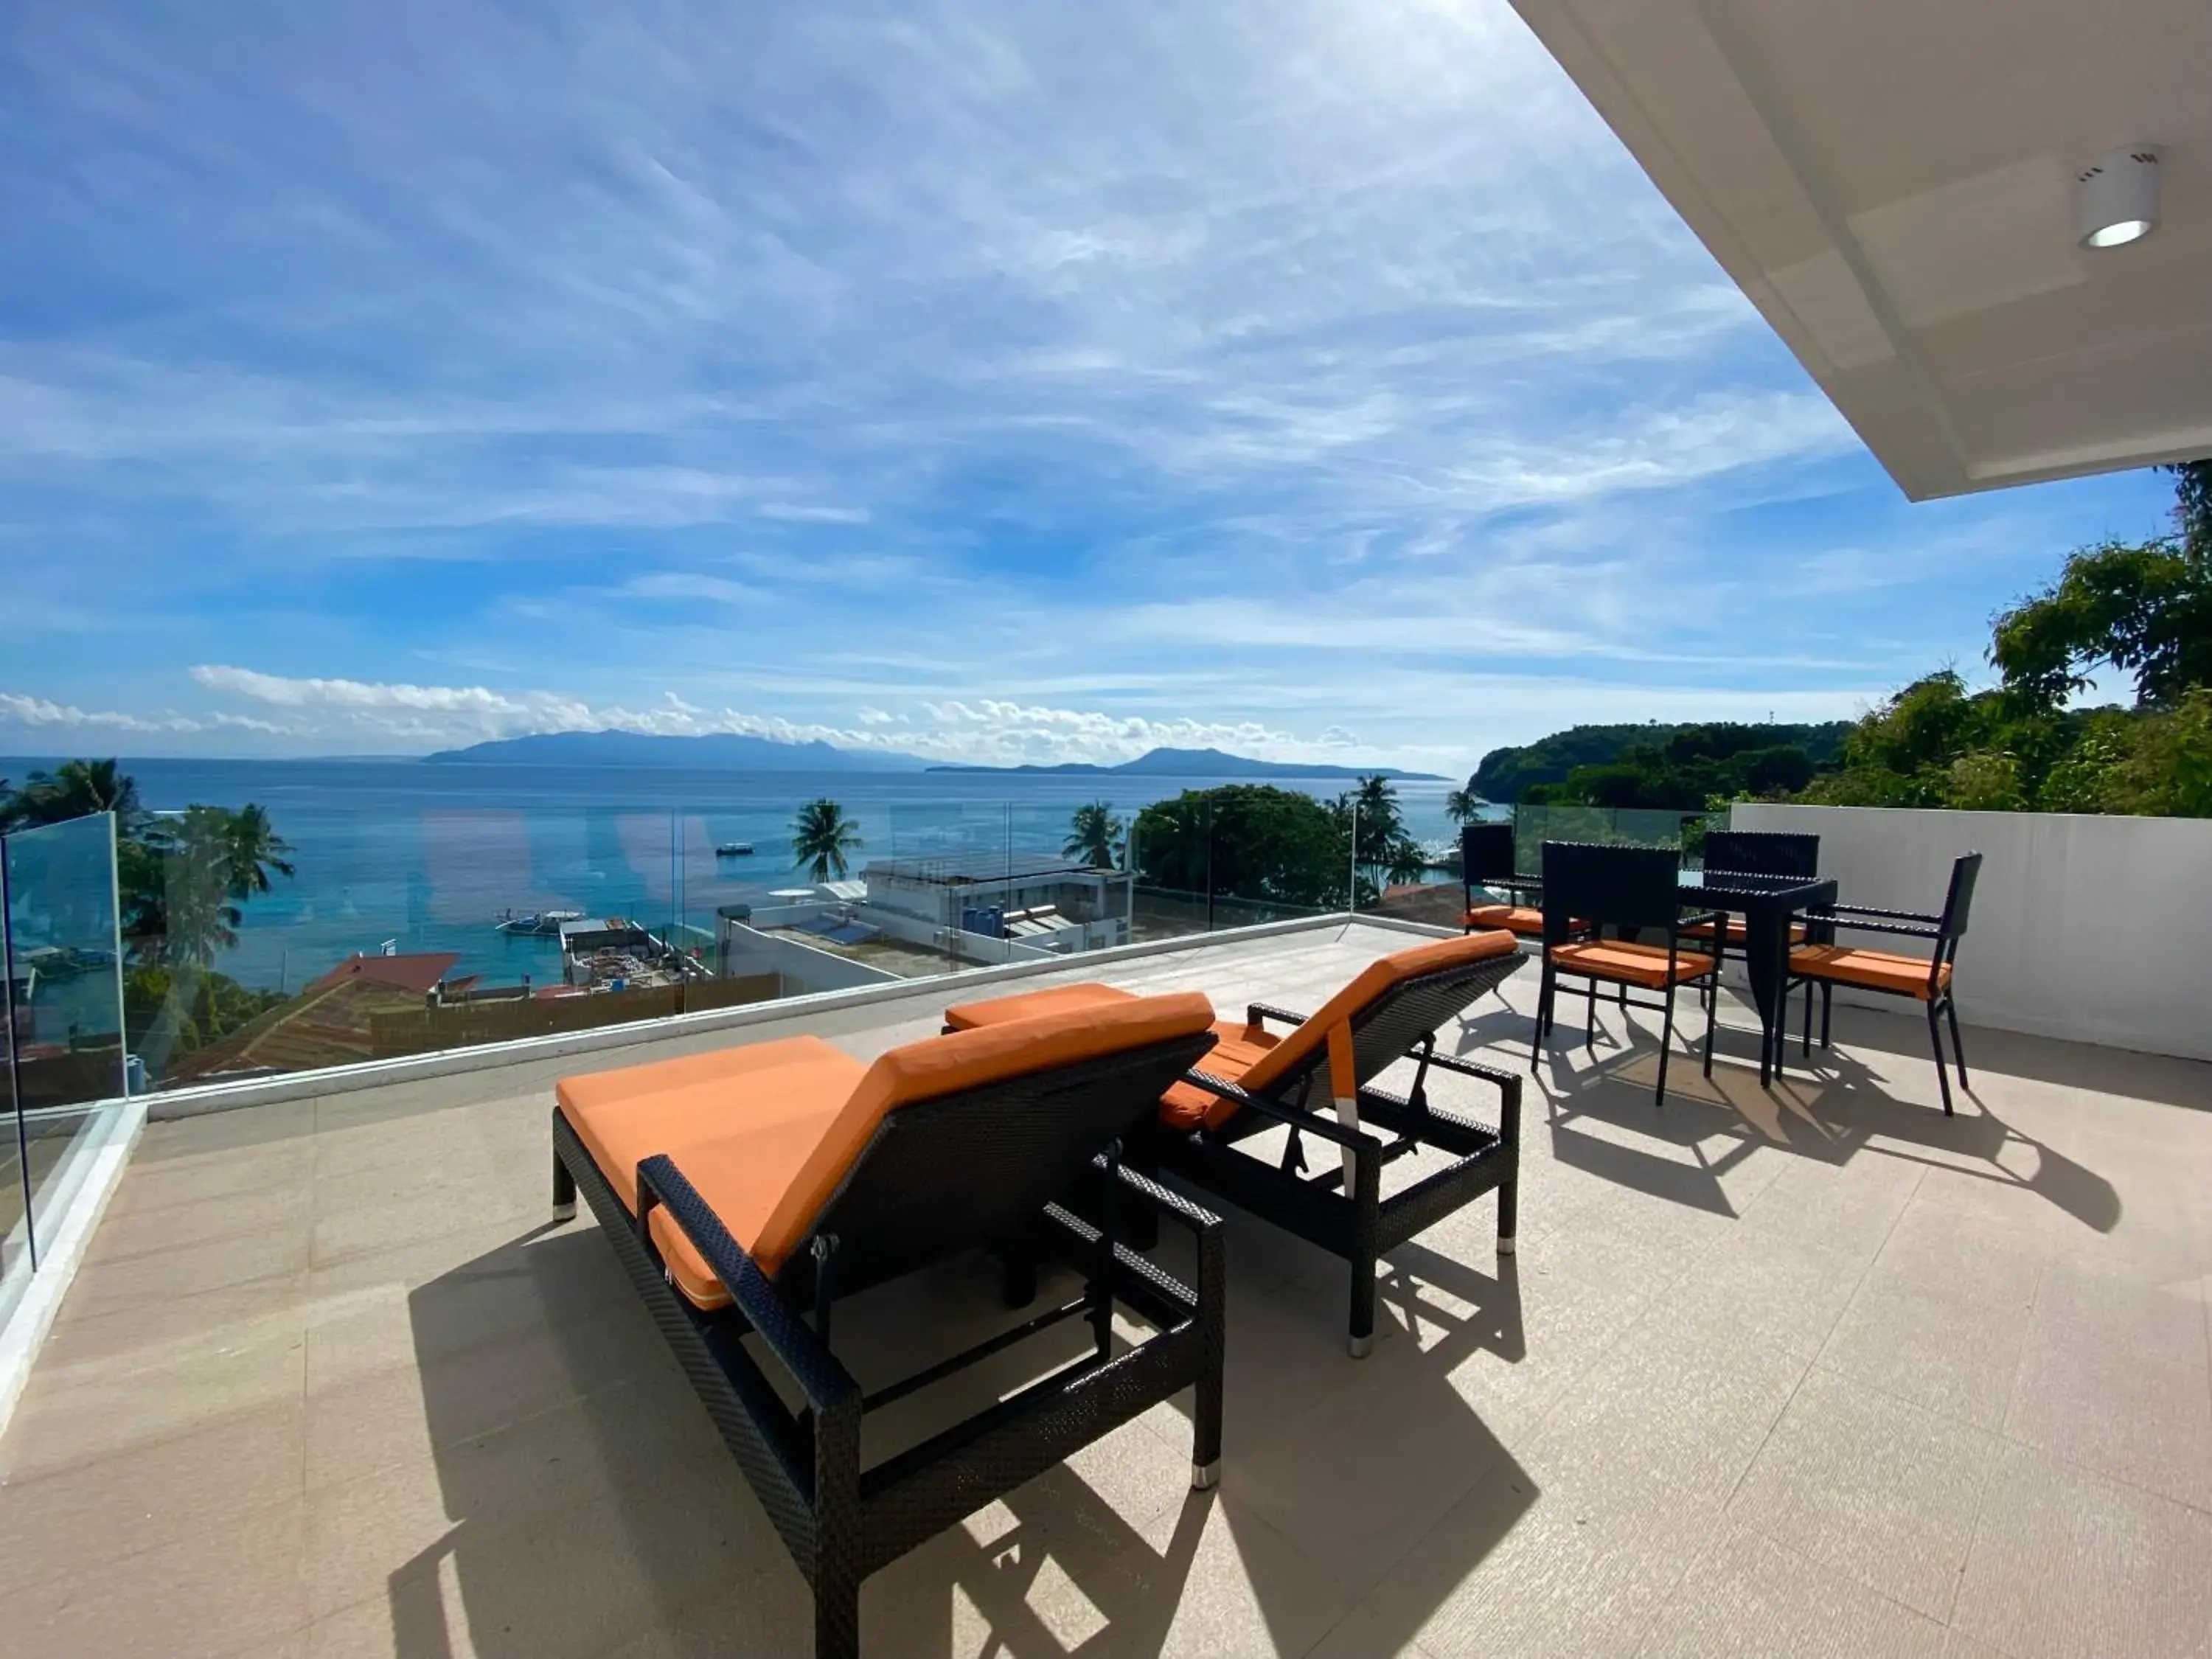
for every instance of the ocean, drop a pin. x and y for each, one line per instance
(409, 856)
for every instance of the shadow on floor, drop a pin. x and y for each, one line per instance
(1828, 1105)
(617, 1511)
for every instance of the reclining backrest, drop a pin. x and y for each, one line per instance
(1394, 1001)
(955, 1140)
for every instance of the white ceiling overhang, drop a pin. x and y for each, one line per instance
(1892, 183)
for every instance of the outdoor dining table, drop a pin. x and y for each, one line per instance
(1767, 904)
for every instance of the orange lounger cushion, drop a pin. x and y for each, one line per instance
(767, 1133)
(1630, 963)
(1059, 1000)
(1877, 970)
(1252, 1056)
(1522, 919)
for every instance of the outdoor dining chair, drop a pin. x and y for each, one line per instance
(1751, 853)
(1630, 892)
(744, 1187)
(1927, 980)
(1486, 860)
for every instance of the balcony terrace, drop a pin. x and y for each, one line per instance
(1811, 1368)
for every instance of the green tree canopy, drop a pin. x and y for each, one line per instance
(1249, 840)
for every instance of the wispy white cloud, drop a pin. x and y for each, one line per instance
(1257, 369)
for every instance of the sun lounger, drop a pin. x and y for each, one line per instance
(742, 1189)
(1255, 1080)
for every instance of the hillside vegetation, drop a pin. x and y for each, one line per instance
(2137, 612)
(1659, 765)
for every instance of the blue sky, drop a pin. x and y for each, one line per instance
(1003, 381)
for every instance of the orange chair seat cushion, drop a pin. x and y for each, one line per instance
(1252, 1056)
(768, 1132)
(1876, 970)
(1738, 932)
(1629, 962)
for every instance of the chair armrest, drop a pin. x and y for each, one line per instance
(1297, 1117)
(1259, 1012)
(821, 1377)
(1703, 918)
(1899, 928)
(1921, 917)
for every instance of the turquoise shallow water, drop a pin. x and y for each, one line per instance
(427, 857)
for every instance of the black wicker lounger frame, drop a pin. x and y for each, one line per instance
(1361, 1225)
(979, 1167)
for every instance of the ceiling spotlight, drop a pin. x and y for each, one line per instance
(2116, 201)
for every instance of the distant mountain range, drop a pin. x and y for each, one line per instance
(1201, 763)
(735, 750)
(742, 753)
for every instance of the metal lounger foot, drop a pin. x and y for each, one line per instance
(1505, 1246)
(1360, 1347)
(565, 1211)
(1204, 1477)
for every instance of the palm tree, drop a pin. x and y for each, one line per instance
(1463, 806)
(821, 836)
(1094, 836)
(185, 879)
(75, 789)
(255, 850)
(199, 913)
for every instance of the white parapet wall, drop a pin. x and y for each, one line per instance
(2091, 928)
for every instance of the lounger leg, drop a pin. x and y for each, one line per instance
(836, 1613)
(1942, 1071)
(1590, 1019)
(1018, 1273)
(1543, 1006)
(1366, 1193)
(1827, 1010)
(1666, 1042)
(1958, 1048)
(1712, 1018)
(1361, 1342)
(1508, 1215)
(564, 1191)
(1805, 1038)
(1206, 1414)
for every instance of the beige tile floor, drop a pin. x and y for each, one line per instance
(1808, 1371)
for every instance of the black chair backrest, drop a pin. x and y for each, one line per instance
(1623, 887)
(1485, 855)
(970, 1169)
(1762, 852)
(1960, 898)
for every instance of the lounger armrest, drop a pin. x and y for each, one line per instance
(1169, 1203)
(1702, 919)
(1510, 1082)
(826, 1383)
(1899, 928)
(1297, 1117)
(1259, 1012)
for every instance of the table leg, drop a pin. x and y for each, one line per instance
(1766, 962)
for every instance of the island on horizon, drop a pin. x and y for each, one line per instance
(1203, 764)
